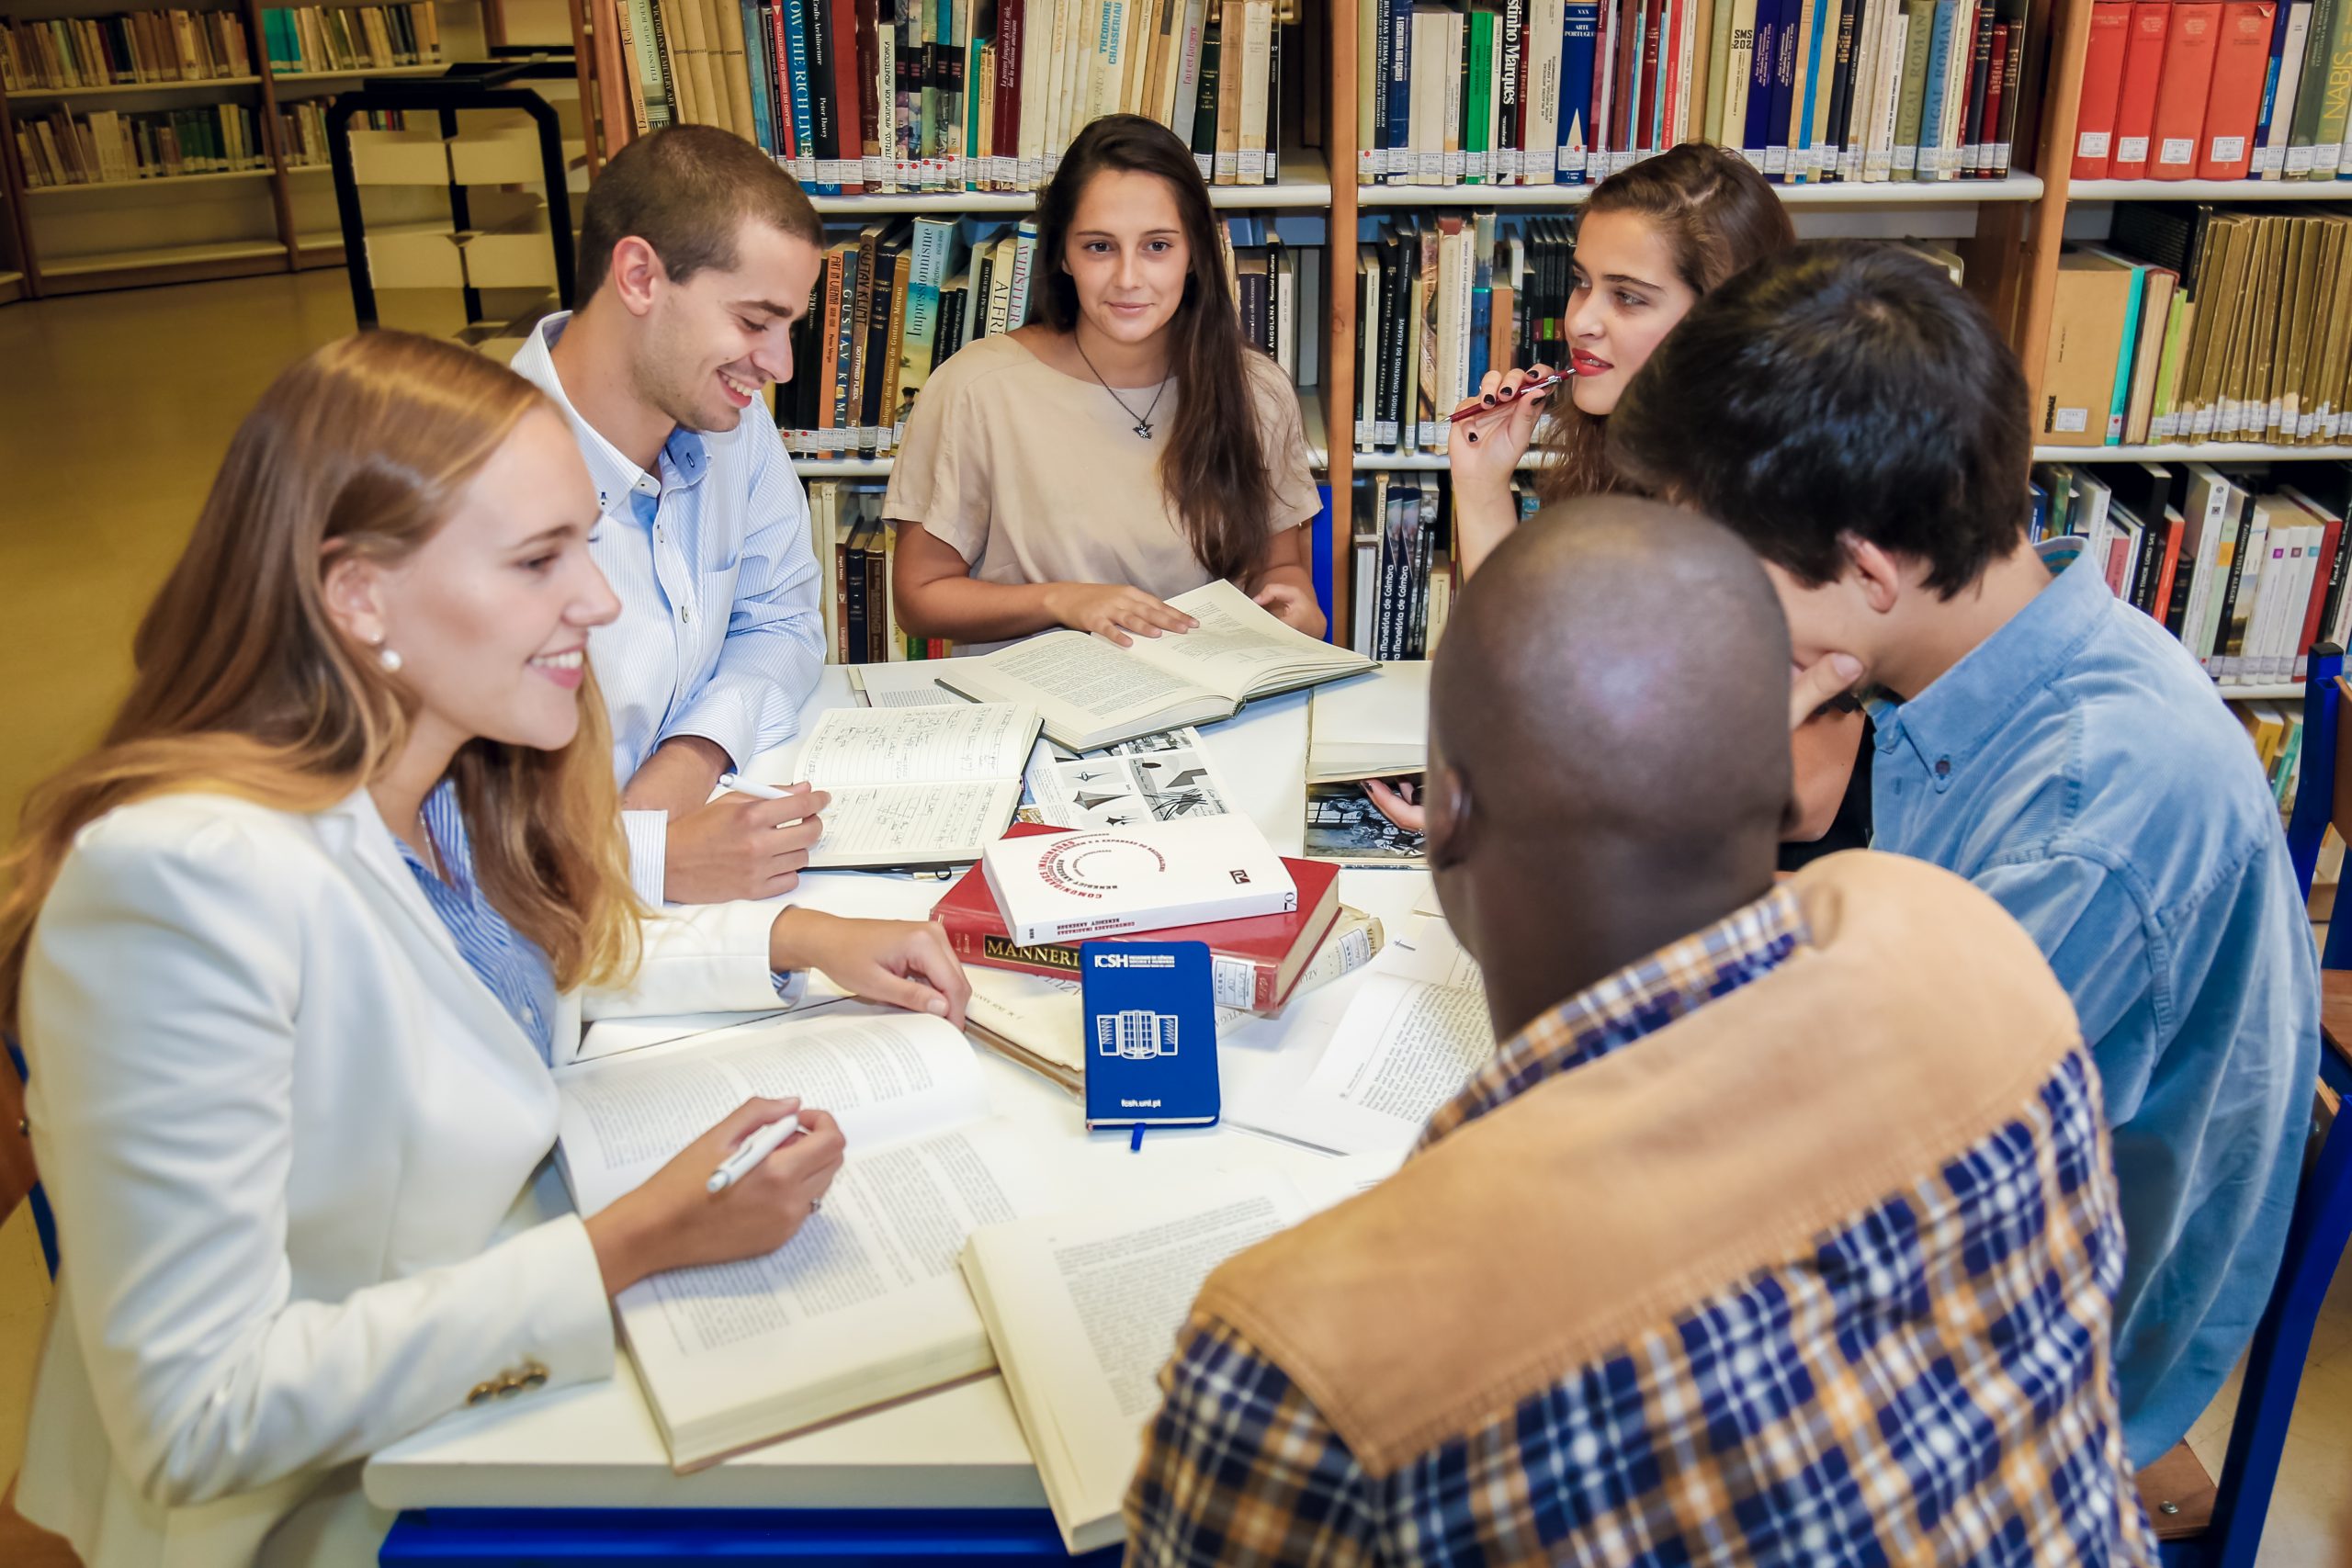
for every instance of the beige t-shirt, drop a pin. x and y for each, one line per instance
(1032, 476)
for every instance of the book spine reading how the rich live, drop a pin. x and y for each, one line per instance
(2196, 325)
(1442, 301)
(902, 295)
(2246, 570)
(105, 147)
(1568, 92)
(349, 38)
(887, 95)
(128, 47)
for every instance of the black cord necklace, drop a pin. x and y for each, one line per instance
(1143, 420)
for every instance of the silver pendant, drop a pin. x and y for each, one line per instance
(1143, 428)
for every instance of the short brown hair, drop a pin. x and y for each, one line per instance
(685, 190)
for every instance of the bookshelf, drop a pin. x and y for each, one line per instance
(2008, 231)
(70, 239)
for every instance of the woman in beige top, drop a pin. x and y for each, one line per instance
(1127, 447)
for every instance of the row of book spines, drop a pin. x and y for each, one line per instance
(975, 111)
(2215, 90)
(137, 46)
(331, 38)
(302, 133)
(2270, 361)
(854, 545)
(1909, 89)
(1403, 576)
(108, 147)
(2248, 585)
(2277, 736)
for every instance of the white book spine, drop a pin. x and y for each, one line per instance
(1539, 160)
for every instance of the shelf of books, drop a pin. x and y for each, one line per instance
(174, 132)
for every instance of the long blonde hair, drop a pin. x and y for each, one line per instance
(245, 686)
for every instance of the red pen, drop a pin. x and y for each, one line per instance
(1539, 384)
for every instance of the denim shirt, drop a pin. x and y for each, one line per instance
(2078, 766)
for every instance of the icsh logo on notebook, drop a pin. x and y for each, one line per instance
(1135, 961)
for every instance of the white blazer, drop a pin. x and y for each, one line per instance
(283, 1125)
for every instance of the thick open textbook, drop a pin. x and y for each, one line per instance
(1090, 693)
(916, 786)
(1084, 1309)
(865, 1305)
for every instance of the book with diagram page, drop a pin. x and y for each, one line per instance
(916, 787)
(1091, 691)
(1074, 886)
(864, 1304)
(1084, 1308)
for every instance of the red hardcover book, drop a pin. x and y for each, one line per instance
(2135, 109)
(1256, 962)
(2103, 88)
(2161, 601)
(1653, 43)
(846, 97)
(1633, 27)
(1670, 53)
(2330, 542)
(1995, 87)
(2234, 104)
(2190, 44)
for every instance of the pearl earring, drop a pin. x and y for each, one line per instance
(389, 657)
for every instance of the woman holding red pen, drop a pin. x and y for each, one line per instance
(1652, 240)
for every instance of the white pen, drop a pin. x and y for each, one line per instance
(749, 1152)
(736, 784)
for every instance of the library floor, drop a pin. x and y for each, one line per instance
(114, 410)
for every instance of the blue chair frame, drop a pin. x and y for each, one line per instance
(2322, 1225)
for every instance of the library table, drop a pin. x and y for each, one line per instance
(582, 1474)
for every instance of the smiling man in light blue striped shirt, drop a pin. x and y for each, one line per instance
(696, 255)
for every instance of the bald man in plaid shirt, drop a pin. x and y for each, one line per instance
(1789, 1236)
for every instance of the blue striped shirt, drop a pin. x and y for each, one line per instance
(722, 634)
(509, 962)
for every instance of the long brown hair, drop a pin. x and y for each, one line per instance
(245, 687)
(1214, 469)
(1716, 215)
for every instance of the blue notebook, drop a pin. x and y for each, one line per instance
(1150, 1034)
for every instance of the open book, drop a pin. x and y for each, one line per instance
(1374, 728)
(1092, 693)
(1084, 1309)
(916, 786)
(865, 1305)
(1391, 1053)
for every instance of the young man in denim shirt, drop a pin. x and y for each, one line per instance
(1858, 421)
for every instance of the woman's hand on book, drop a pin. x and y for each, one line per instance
(901, 964)
(1114, 610)
(742, 847)
(1293, 604)
(674, 1221)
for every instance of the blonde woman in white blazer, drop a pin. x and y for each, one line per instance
(290, 953)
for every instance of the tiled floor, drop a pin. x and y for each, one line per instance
(113, 413)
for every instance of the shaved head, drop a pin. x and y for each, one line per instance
(1609, 727)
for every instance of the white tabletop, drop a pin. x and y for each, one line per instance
(597, 1445)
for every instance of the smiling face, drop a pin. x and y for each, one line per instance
(718, 340)
(1128, 255)
(490, 615)
(1627, 296)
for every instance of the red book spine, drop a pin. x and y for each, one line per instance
(1632, 27)
(1995, 90)
(1005, 133)
(2162, 602)
(847, 98)
(1653, 34)
(2103, 88)
(784, 119)
(2144, 65)
(2234, 105)
(2190, 45)
(2328, 543)
(1670, 29)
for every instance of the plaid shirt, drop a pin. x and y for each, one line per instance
(1918, 1388)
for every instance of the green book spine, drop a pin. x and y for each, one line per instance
(2306, 152)
(1718, 72)
(2168, 367)
(2123, 360)
(1480, 79)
